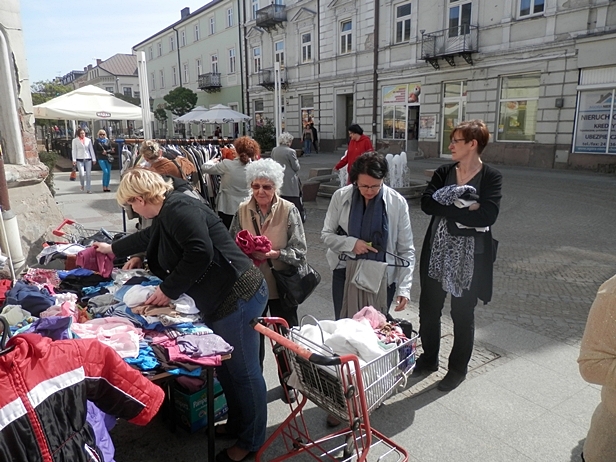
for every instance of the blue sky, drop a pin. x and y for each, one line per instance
(62, 38)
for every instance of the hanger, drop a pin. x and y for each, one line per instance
(399, 261)
(6, 333)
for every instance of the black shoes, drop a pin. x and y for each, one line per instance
(290, 396)
(424, 368)
(451, 381)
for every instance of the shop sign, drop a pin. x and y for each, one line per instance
(593, 123)
(427, 126)
(394, 94)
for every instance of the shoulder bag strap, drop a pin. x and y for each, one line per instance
(179, 169)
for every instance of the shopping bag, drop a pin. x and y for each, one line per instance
(295, 284)
(73, 176)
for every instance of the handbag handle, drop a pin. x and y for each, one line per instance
(254, 222)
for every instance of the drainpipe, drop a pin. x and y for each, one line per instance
(247, 108)
(375, 74)
(177, 41)
(242, 66)
(318, 57)
(11, 240)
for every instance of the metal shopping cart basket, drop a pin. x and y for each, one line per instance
(74, 233)
(340, 386)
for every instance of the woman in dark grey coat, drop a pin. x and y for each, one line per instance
(291, 186)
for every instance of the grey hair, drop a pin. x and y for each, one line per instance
(285, 138)
(267, 169)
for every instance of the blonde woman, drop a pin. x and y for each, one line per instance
(103, 149)
(179, 167)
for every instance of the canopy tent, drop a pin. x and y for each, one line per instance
(196, 115)
(221, 114)
(87, 103)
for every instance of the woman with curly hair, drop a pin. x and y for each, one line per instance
(233, 189)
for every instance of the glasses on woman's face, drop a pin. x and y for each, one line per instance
(456, 141)
(264, 187)
(373, 187)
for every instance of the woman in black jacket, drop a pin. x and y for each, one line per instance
(458, 251)
(191, 250)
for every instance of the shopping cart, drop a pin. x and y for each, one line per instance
(74, 233)
(340, 386)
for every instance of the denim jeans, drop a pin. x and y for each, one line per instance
(307, 144)
(338, 279)
(84, 166)
(241, 377)
(106, 168)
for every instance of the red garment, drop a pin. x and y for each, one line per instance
(249, 244)
(356, 149)
(5, 286)
(90, 259)
(228, 153)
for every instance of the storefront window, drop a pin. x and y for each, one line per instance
(259, 120)
(396, 100)
(307, 109)
(593, 128)
(519, 99)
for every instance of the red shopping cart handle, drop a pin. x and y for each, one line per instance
(321, 360)
(58, 231)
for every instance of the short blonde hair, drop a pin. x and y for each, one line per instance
(139, 182)
(149, 150)
(102, 132)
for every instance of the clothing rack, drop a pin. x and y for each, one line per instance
(183, 141)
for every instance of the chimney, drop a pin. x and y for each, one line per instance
(184, 13)
(89, 67)
(98, 61)
(85, 69)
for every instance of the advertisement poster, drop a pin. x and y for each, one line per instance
(394, 94)
(414, 92)
(427, 126)
(593, 123)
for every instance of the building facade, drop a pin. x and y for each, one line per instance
(541, 73)
(202, 51)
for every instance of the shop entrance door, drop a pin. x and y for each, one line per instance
(454, 111)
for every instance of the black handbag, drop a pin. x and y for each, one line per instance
(293, 286)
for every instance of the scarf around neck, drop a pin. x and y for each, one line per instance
(369, 222)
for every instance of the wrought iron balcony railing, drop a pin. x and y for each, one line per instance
(267, 79)
(210, 82)
(454, 41)
(271, 16)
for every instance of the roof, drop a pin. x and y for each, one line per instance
(120, 64)
(177, 23)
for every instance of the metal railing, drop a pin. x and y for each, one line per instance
(271, 16)
(267, 79)
(458, 40)
(209, 81)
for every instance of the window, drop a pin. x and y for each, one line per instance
(232, 61)
(395, 99)
(519, 97)
(214, 64)
(136, 94)
(259, 120)
(160, 49)
(151, 50)
(230, 17)
(128, 91)
(182, 38)
(453, 110)
(403, 23)
(306, 47)
(197, 35)
(212, 26)
(186, 75)
(172, 43)
(174, 76)
(162, 78)
(346, 37)
(109, 89)
(153, 81)
(279, 52)
(307, 110)
(530, 7)
(256, 59)
(255, 8)
(592, 127)
(459, 19)
(199, 66)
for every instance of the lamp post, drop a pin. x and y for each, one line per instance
(277, 102)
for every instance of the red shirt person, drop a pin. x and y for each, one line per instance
(358, 145)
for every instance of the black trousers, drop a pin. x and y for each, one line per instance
(288, 314)
(431, 302)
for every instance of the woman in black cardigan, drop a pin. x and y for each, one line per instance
(191, 250)
(458, 251)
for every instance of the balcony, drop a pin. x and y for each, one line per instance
(267, 80)
(448, 43)
(210, 83)
(271, 16)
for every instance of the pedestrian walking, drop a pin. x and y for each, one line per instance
(358, 144)
(307, 139)
(458, 252)
(103, 151)
(315, 137)
(83, 157)
(291, 187)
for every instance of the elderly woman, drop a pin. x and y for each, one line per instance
(233, 189)
(287, 157)
(179, 167)
(189, 248)
(368, 220)
(458, 253)
(267, 214)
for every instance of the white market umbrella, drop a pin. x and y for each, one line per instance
(87, 103)
(144, 93)
(194, 116)
(221, 114)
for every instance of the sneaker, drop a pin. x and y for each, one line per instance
(424, 368)
(89, 192)
(451, 381)
(290, 396)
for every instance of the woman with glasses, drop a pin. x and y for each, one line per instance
(266, 213)
(369, 220)
(83, 158)
(103, 150)
(190, 249)
(233, 188)
(463, 199)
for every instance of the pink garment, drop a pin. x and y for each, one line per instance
(66, 309)
(90, 259)
(118, 333)
(372, 315)
(249, 244)
(175, 355)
